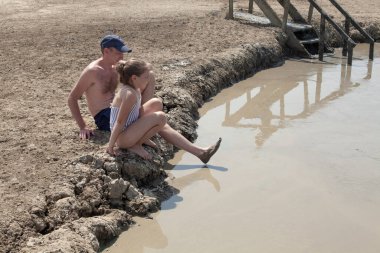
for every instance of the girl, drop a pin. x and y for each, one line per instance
(127, 129)
(130, 131)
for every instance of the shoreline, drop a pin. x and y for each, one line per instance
(75, 214)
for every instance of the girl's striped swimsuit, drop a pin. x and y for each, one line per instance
(133, 115)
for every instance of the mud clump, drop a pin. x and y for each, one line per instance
(98, 202)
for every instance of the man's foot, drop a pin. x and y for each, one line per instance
(139, 150)
(150, 143)
(205, 157)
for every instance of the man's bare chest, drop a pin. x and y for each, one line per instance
(107, 81)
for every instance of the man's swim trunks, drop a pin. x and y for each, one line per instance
(102, 119)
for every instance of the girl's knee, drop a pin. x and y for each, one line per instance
(157, 104)
(161, 118)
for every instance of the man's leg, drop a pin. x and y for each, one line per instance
(148, 92)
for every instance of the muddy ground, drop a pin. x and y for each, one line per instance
(45, 44)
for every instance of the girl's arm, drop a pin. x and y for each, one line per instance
(128, 99)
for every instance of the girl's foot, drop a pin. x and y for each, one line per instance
(150, 143)
(139, 150)
(208, 153)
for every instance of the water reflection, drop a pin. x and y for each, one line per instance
(265, 106)
(369, 70)
(200, 173)
(149, 229)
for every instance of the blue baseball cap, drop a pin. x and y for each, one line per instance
(116, 42)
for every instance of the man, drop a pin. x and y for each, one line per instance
(98, 83)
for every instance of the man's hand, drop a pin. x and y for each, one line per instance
(85, 134)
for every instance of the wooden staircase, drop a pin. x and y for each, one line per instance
(302, 37)
(304, 40)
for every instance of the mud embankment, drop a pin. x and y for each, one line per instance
(103, 193)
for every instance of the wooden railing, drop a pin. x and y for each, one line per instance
(324, 17)
(348, 43)
(349, 20)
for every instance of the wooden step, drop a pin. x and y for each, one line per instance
(295, 27)
(310, 41)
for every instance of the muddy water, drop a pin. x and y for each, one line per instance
(298, 169)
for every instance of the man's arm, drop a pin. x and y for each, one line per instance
(84, 82)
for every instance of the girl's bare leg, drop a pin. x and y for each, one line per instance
(177, 139)
(150, 143)
(140, 131)
(151, 106)
(139, 149)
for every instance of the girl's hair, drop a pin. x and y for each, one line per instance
(131, 67)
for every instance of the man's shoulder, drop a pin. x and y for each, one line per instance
(93, 67)
(92, 71)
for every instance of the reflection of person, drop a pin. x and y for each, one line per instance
(132, 126)
(98, 82)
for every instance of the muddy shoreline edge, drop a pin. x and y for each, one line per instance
(98, 201)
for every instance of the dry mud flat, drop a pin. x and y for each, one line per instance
(62, 194)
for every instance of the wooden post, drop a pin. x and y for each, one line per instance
(250, 7)
(318, 86)
(228, 109)
(349, 72)
(322, 37)
(285, 17)
(310, 15)
(342, 75)
(350, 52)
(369, 70)
(231, 9)
(347, 31)
(371, 48)
(306, 102)
(282, 107)
(269, 12)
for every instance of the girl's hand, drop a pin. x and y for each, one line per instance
(110, 150)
